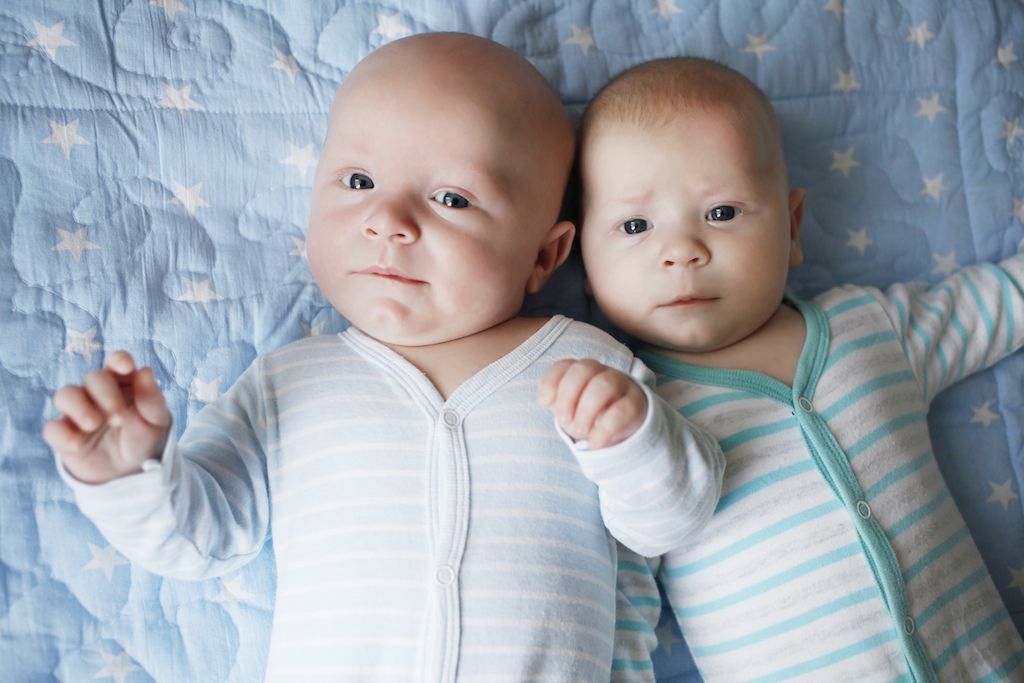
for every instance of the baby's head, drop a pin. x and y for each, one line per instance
(689, 226)
(436, 198)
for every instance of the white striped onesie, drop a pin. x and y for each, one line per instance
(415, 538)
(836, 552)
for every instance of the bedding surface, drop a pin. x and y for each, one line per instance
(155, 167)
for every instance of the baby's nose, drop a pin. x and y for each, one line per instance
(391, 222)
(686, 251)
(402, 234)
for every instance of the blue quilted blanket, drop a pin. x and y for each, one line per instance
(155, 166)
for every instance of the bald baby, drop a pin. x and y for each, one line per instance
(430, 523)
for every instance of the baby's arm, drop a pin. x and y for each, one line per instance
(192, 512)
(658, 476)
(960, 325)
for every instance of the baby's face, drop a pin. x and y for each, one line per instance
(689, 230)
(425, 223)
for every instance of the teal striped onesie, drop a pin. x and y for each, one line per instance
(836, 552)
(417, 538)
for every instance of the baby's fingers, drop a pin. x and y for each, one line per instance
(149, 401)
(617, 422)
(107, 391)
(76, 405)
(120, 362)
(63, 436)
(601, 390)
(547, 392)
(573, 378)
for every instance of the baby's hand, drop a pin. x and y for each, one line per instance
(111, 424)
(593, 401)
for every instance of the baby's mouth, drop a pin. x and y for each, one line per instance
(683, 302)
(391, 274)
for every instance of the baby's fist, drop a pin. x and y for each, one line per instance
(593, 401)
(111, 423)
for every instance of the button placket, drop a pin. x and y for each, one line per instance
(444, 576)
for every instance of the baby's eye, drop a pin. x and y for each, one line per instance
(635, 226)
(357, 181)
(723, 213)
(452, 200)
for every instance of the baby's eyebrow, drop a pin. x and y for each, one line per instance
(625, 200)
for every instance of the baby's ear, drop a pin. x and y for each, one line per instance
(796, 217)
(553, 252)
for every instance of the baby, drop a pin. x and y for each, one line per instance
(836, 552)
(429, 521)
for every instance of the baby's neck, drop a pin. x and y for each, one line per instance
(448, 364)
(773, 349)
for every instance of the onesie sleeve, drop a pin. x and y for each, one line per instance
(203, 509)
(960, 325)
(662, 483)
(637, 609)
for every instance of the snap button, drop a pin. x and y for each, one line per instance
(863, 509)
(909, 626)
(450, 418)
(444, 575)
(806, 405)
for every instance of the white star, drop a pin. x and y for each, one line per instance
(758, 45)
(180, 99)
(859, 239)
(66, 136)
(667, 637)
(170, 7)
(188, 197)
(920, 34)
(391, 27)
(313, 330)
(300, 248)
(301, 158)
(581, 37)
(945, 265)
(1018, 209)
(836, 7)
(984, 415)
(115, 666)
(74, 242)
(843, 162)
(1011, 129)
(82, 343)
(1005, 56)
(666, 8)
(198, 291)
(105, 559)
(1018, 579)
(231, 592)
(846, 81)
(207, 392)
(1003, 494)
(53, 37)
(929, 107)
(933, 187)
(286, 63)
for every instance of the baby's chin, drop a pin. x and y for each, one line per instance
(403, 332)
